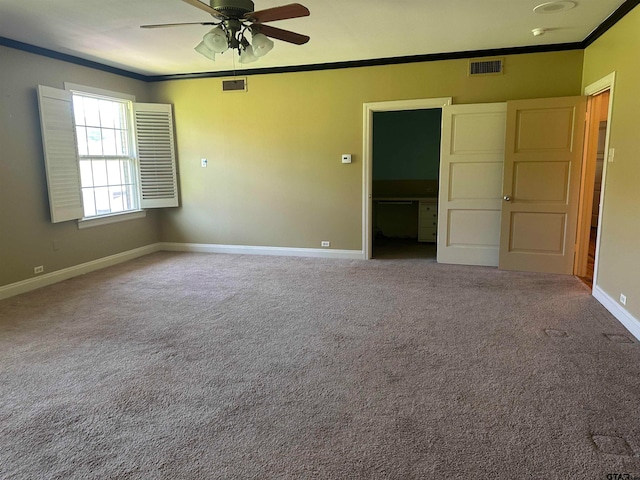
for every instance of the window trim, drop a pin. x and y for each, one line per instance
(90, 222)
(75, 87)
(154, 148)
(108, 218)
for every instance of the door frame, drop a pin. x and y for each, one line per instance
(592, 90)
(367, 155)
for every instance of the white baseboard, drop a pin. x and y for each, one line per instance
(249, 250)
(625, 318)
(66, 273)
(40, 281)
(629, 321)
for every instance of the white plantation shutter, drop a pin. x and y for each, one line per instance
(156, 155)
(60, 154)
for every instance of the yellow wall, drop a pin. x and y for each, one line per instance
(26, 233)
(275, 177)
(619, 268)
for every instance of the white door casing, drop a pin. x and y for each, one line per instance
(367, 155)
(606, 83)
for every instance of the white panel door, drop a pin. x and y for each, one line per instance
(542, 184)
(470, 193)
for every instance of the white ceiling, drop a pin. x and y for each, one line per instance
(108, 31)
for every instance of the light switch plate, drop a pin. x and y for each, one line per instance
(346, 158)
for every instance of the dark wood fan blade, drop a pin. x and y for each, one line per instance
(284, 35)
(293, 10)
(164, 25)
(206, 8)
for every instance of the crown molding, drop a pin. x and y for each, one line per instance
(614, 18)
(375, 62)
(45, 52)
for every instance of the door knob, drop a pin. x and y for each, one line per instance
(507, 198)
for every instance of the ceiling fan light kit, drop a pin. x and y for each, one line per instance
(246, 53)
(202, 49)
(261, 44)
(216, 40)
(233, 19)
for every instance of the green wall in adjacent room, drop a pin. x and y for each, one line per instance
(406, 144)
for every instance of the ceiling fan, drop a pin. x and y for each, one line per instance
(233, 18)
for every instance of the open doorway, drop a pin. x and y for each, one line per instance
(369, 109)
(592, 183)
(405, 165)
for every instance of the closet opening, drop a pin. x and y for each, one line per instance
(592, 187)
(405, 176)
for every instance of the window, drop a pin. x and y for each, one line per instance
(105, 155)
(107, 165)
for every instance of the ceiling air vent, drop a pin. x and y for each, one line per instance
(490, 66)
(234, 85)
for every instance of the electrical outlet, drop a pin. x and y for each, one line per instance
(37, 270)
(325, 243)
(623, 299)
(203, 162)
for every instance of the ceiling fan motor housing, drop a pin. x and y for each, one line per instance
(233, 8)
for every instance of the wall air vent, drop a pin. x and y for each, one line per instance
(234, 85)
(487, 66)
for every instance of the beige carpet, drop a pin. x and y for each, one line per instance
(190, 366)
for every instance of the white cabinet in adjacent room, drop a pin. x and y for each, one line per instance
(428, 221)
